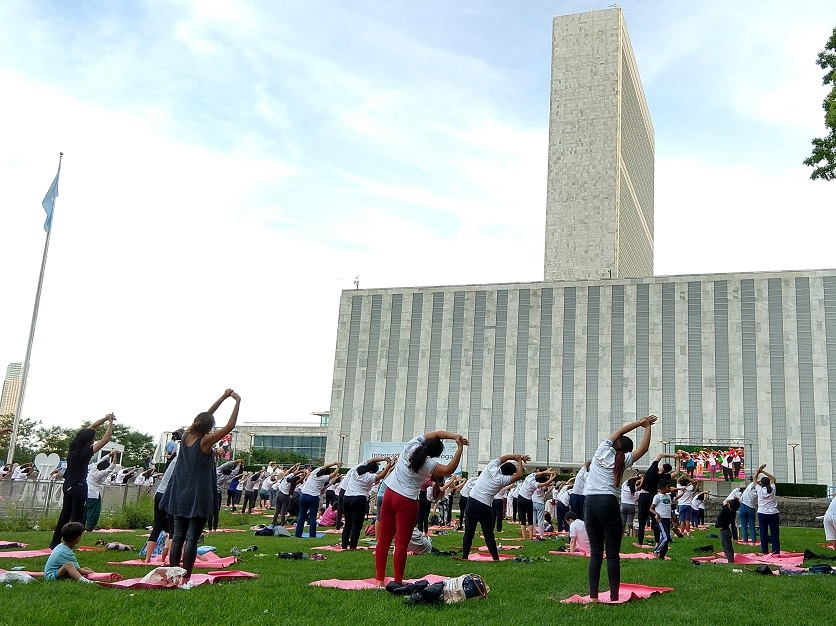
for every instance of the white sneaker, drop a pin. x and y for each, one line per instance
(186, 585)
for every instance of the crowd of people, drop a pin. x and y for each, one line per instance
(596, 508)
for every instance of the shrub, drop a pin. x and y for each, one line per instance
(132, 515)
(799, 490)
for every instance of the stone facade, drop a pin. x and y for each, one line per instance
(599, 204)
(716, 357)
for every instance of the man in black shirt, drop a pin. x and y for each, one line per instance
(725, 520)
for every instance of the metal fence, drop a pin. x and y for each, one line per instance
(39, 498)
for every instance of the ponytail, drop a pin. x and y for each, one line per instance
(622, 445)
(432, 447)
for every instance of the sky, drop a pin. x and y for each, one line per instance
(231, 166)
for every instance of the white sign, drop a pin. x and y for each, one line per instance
(391, 448)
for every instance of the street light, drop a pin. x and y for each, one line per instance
(252, 445)
(342, 441)
(794, 472)
(665, 443)
(548, 440)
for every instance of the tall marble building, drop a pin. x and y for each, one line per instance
(11, 388)
(599, 201)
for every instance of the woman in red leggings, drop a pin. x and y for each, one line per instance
(399, 510)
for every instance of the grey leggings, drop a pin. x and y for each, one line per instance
(628, 512)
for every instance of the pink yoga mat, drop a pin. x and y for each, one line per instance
(369, 583)
(24, 554)
(208, 562)
(487, 558)
(197, 579)
(783, 559)
(113, 530)
(11, 544)
(626, 592)
(340, 548)
(502, 547)
(226, 530)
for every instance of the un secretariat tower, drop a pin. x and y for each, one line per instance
(599, 204)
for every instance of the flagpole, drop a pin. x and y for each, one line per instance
(25, 373)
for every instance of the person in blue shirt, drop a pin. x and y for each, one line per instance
(62, 562)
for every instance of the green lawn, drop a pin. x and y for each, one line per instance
(521, 593)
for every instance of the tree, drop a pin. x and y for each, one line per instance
(27, 441)
(262, 456)
(823, 159)
(57, 439)
(136, 444)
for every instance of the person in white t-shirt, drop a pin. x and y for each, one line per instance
(768, 516)
(830, 525)
(661, 510)
(311, 491)
(497, 475)
(602, 513)
(400, 502)
(357, 484)
(578, 537)
(464, 494)
(684, 494)
(576, 499)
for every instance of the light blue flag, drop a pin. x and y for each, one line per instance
(49, 201)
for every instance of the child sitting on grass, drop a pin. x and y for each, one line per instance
(62, 562)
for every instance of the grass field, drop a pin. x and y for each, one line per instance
(521, 593)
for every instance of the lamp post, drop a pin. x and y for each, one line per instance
(342, 441)
(548, 440)
(252, 445)
(794, 472)
(665, 443)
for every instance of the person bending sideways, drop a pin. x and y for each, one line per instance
(400, 502)
(497, 475)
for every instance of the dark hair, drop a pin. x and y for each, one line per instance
(570, 516)
(103, 464)
(683, 481)
(372, 467)
(764, 482)
(632, 484)
(202, 425)
(322, 471)
(734, 504)
(666, 468)
(226, 471)
(507, 469)
(622, 446)
(83, 438)
(431, 447)
(177, 435)
(664, 483)
(541, 478)
(72, 531)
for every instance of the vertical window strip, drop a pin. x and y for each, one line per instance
(434, 365)
(392, 367)
(593, 318)
(749, 354)
(695, 416)
(521, 387)
(351, 365)
(498, 390)
(412, 367)
(777, 378)
(371, 370)
(806, 394)
(477, 374)
(668, 417)
(721, 358)
(617, 359)
(456, 350)
(829, 284)
(545, 364)
(567, 407)
(642, 349)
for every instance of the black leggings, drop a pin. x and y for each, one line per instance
(340, 510)
(187, 531)
(643, 513)
(525, 508)
(354, 508)
(73, 509)
(249, 496)
(498, 508)
(462, 509)
(162, 520)
(483, 514)
(602, 517)
(213, 521)
(423, 522)
(230, 496)
(282, 504)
